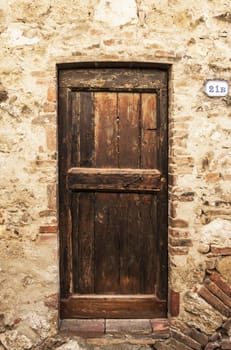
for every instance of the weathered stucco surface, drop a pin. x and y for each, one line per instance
(36, 35)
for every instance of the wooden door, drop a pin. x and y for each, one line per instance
(113, 193)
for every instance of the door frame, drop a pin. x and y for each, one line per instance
(125, 65)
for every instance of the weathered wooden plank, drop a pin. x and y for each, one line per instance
(83, 242)
(106, 243)
(129, 130)
(113, 179)
(128, 306)
(149, 243)
(86, 125)
(64, 164)
(162, 238)
(123, 78)
(75, 233)
(149, 138)
(163, 133)
(74, 128)
(130, 244)
(162, 275)
(137, 243)
(106, 141)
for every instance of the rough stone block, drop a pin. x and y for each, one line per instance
(81, 327)
(223, 267)
(128, 326)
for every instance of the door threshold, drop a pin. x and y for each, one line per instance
(149, 329)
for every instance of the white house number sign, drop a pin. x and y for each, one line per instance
(216, 88)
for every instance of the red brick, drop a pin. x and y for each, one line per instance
(160, 328)
(17, 320)
(83, 327)
(220, 251)
(109, 42)
(128, 326)
(51, 301)
(212, 177)
(220, 283)
(218, 292)
(226, 344)
(174, 303)
(214, 301)
(212, 346)
(176, 345)
(180, 242)
(49, 107)
(167, 54)
(187, 196)
(51, 94)
(178, 250)
(215, 336)
(47, 213)
(193, 333)
(51, 138)
(182, 338)
(184, 161)
(178, 233)
(162, 346)
(46, 238)
(48, 229)
(179, 223)
(172, 179)
(173, 209)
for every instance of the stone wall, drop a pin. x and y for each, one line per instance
(194, 37)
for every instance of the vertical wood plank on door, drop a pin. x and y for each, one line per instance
(83, 242)
(74, 208)
(129, 130)
(74, 129)
(64, 216)
(148, 251)
(149, 138)
(106, 132)
(106, 243)
(130, 240)
(86, 129)
(162, 277)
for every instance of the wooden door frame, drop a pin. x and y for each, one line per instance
(124, 65)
